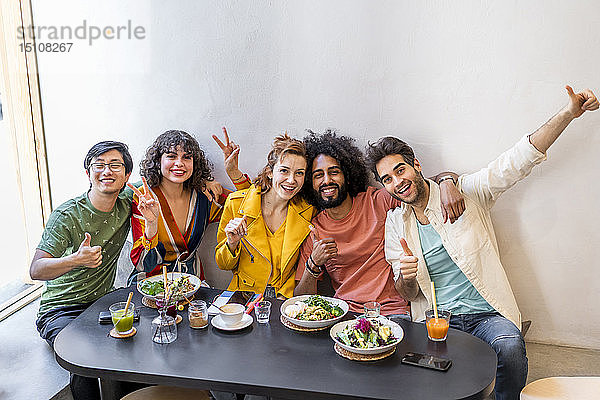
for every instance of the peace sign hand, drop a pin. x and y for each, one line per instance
(231, 152)
(148, 206)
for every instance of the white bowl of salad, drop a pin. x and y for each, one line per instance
(367, 336)
(313, 311)
(180, 284)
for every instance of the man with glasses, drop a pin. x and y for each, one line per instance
(80, 246)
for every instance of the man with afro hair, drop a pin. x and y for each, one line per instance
(347, 241)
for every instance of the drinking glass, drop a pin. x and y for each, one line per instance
(372, 309)
(262, 310)
(437, 329)
(123, 322)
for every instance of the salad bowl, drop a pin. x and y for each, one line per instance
(148, 287)
(396, 331)
(319, 323)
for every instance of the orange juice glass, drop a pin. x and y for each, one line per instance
(437, 329)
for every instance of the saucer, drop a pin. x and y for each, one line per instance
(218, 323)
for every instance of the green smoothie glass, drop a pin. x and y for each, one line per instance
(123, 322)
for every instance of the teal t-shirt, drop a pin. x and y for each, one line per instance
(64, 233)
(453, 290)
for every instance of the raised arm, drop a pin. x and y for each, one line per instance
(231, 152)
(487, 185)
(578, 103)
(148, 207)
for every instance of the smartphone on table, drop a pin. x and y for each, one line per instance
(105, 318)
(427, 361)
(242, 297)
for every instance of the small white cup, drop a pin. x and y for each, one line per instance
(232, 313)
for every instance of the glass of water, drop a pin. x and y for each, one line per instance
(372, 309)
(262, 310)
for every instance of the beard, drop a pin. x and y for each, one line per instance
(334, 202)
(419, 183)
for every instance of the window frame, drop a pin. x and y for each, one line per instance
(24, 125)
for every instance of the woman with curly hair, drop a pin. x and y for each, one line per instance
(262, 227)
(177, 175)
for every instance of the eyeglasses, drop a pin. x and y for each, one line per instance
(113, 166)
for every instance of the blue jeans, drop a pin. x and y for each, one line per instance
(506, 340)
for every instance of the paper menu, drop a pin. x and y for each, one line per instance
(220, 301)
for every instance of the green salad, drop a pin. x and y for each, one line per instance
(152, 287)
(180, 285)
(365, 334)
(315, 308)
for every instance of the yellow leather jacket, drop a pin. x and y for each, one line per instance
(250, 263)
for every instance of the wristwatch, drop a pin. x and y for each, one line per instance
(445, 177)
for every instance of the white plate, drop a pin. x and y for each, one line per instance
(314, 324)
(396, 331)
(218, 323)
(171, 276)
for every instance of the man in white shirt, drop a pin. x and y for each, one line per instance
(462, 259)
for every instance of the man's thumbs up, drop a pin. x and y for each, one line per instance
(88, 256)
(408, 262)
(580, 102)
(87, 241)
(405, 247)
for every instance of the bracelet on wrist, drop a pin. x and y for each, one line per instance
(314, 273)
(314, 263)
(240, 179)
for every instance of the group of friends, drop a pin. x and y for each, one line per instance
(309, 223)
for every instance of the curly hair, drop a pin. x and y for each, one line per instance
(282, 145)
(168, 141)
(343, 149)
(384, 147)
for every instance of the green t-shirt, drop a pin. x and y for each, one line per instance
(64, 233)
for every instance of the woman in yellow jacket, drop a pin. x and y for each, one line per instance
(262, 227)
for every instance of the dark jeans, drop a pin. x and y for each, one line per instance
(506, 340)
(49, 326)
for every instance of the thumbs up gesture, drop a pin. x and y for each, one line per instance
(408, 262)
(581, 102)
(88, 255)
(323, 249)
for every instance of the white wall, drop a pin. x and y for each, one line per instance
(459, 80)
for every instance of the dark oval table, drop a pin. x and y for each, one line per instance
(270, 359)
